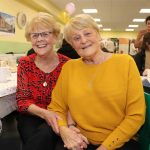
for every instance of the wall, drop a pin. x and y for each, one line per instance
(129, 35)
(16, 43)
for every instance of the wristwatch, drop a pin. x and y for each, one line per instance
(72, 124)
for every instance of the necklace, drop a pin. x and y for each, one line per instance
(92, 77)
(47, 69)
(44, 83)
(45, 79)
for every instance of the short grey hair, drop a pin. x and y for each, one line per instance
(42, 20)
(77, 23)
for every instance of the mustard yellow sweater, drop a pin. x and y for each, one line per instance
(105, 100)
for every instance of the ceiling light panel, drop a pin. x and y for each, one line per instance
(138, 20)
(145, 11)
(106, 29)
(129, 29)
(133, 26)
(97, 19)
(100, 25)
(89, 11)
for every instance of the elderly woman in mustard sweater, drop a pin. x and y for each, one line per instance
(103, 92)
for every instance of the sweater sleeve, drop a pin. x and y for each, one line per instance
(58, 103)
(23, 94)
(134, 111)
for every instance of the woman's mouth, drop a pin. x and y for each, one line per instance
(42, 46)
(86, 46)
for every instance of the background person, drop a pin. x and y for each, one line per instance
(133, 51)
(36, 77)
(104, 49)
(30, 51)
(98, 96)
(139, 39)
(67, 50)
(142, 58)
(110, 46)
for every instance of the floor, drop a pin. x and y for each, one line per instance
(9, 138)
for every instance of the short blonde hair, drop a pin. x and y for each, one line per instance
(39, 21)
(77, 23)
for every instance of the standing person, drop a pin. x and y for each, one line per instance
(36, 77)
(139, 39)
(142, 58)
(99, 91)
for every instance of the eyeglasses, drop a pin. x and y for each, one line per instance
(42, 34)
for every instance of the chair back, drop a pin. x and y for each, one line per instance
(144, 133)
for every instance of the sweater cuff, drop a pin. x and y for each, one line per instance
(62, 123)
(115, 140)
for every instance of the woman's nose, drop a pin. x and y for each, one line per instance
(40, 37)
(83, 39)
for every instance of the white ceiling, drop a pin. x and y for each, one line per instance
(115, 14)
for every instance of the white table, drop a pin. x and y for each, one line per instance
(8, 96)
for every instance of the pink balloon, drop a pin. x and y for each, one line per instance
(70, 8)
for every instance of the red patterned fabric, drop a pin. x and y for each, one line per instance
(30, 79)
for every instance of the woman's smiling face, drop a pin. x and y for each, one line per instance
(43, 41)
(86, 42)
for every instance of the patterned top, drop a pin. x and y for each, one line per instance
(30, 79)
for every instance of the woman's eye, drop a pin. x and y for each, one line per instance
(45, 34)
(87, 34)
(76, 38)
(34, 36)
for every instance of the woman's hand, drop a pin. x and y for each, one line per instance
(141, 33)
(51, 119)
(49, 116)
(101, 148)
(71, 139)
(85, 140)
(74, 128)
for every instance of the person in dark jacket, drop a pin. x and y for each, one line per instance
(67, 50)
(30, 51)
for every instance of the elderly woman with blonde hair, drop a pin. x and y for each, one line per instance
(99, 91)
(36, 77)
